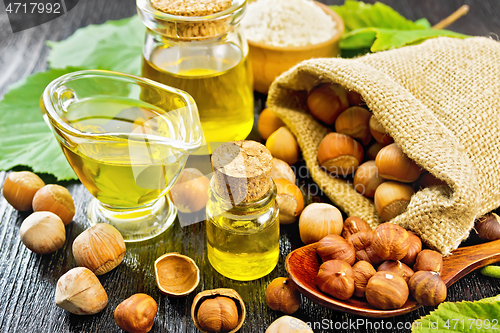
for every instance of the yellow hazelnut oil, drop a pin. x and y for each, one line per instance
(219, 80)
(120, 172)
(243, 240)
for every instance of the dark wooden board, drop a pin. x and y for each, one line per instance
(27, 280)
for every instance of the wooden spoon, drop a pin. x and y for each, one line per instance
(303, 266)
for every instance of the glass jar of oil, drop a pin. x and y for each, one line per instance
(242, 213)
(202, 52)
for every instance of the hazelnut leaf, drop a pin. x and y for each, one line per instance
(478, 316)
(25, 138)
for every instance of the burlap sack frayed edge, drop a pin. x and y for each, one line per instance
(442, 230)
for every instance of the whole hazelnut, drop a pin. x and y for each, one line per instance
(327, 101)
(80, 292)
(366, 179)
(396, 267)
(386, 291)
(488, 227)
(362, 241)
(363, 271)
(427, 288)
(391, 199)
(136, 314)
(429, 260)
(99, 248)
(55, 199)
(336, 278)
(335, 247)
(354, 224)
(393, 164)
(282, 295)
(390, 241)
(284, 325)
(43, 232)
(319, 220)
(268, 123)
(190, 192)
(290, 200)
(281, 169)
(283, 145)
(20, 187)
(218, 314)
(339, 154)
(414, 250)
(379, 133)
(354, 122)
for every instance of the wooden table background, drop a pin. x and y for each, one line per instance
(27, 280)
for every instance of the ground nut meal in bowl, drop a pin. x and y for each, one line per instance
(282, 33)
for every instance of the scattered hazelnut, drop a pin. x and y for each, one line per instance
(136, 314)
(354, 122)
(218, 310)
(268, 123)
(386, 291)
(80, 292)
(390, 241)
(336, 278)
(290, 200)
(281, 169)
(362, 243)
(335, 247)
(282, 295)
(55, 199)
(363, 271)
(99, 248)
(393, 164)
(366, 179)
(176, 275)
(379, 133)
(282, 145)
(354, 98)
(373, 150)
(392, 199)
(396, 267)
(19, 189)
(190, 192)
(327, 101)
(429, 260)
(43, 232)
(319, 220)
(284, 325)
(339, 154)
(354, 224)
(427, 288)
(488, 227)
(415, 248)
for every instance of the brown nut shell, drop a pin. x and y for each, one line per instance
(43, 232)
(136, 314)
(429, 260)
(214, 317)
(391, 199)
(363, 271)
(100, 248)
(354, 224)
(283, 325)
(339, 154)
(366, 179)
(488, 227)
(80, 292)
(393, 164)
(282, 295)
(336, 278)
(290, 200)
(379, 133)
(427, 288)
(362, 241)
(354, 122)
(390, 241)
(55, 199)
(190, 192)
(319, 220)
(414, 250)
(20, 187)
(335, 247)
(386, 291)
(396, 267)
(176, 275)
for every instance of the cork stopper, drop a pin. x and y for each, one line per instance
(191, 7)
(242, 171)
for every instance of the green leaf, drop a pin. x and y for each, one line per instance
(379, 27)
(478, 316)
(25, 138)
(114, 45)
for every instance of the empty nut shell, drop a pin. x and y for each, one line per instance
(218, 310)
(99, 248)
(176, 275)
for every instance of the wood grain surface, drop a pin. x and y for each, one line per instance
(27, 280)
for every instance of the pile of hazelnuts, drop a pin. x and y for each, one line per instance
(383, 265)
(359, 145)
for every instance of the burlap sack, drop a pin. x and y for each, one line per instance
(440, 101)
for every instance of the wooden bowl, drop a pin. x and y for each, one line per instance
(268, 61)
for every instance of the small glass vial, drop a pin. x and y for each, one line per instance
(197, 46)
(242, 213)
